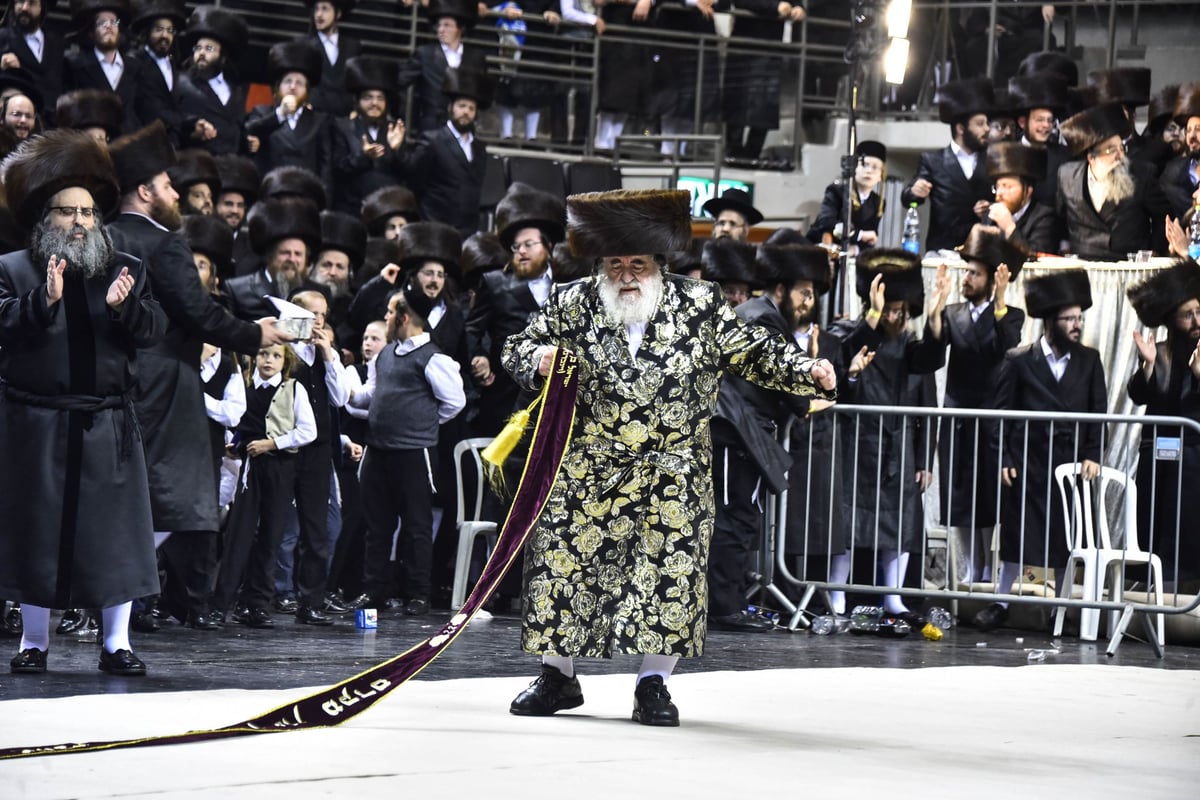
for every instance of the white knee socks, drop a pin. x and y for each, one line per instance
(839, 571)
(116, 627)
(657, 665)
(35, 624)
(564, 664)
(892, 567)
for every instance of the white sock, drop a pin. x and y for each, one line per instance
(839, 571)
(892, 574)
(35, 625)
(564, 664)
(116, 627)
(1010, 572)
(160, 537)
(506, 122)
(532, 118)
(657, 665)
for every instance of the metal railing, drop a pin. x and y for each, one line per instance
(850, 468)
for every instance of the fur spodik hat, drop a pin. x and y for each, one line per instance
(90, 108)
(989, 246)
(1127, 85)
(45, 165)
(629, 222)
(297, 55)
(216, 23)
(139, 156)
(1046, 294)
(727, 261)
(367, 72)
(239, 174)
(797, 262)
(1089, 128)
(383, 204)
(272, 221)
(1156, 298)
(526, 207)
(1052, 62)
(430, 241)
(902, 279)
(1015, 158)
(960, 99)
(211, 236)
(482, 252)
(283, 182)
(195, 166)
(1044, 90)
(345, 233)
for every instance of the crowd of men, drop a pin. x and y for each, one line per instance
(175, 229)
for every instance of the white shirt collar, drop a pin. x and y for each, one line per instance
(408, 345)
(117, 61)
(272, 382)
(1052, 359)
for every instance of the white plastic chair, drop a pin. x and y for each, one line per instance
(1089, 538)
(468, 523)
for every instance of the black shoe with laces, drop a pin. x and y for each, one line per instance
(550, 692)
(29, 661)
(652, 703)
(122, 662)
(991, 617)
(12, 625)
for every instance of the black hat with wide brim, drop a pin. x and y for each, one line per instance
(364, 73)
(239, 174)
(1046, 294)
(216, 23)
(22, 81)
(195, 166)
(470, 84)
(146, 11)
(298, 55)
(902, 279)
(733, 200)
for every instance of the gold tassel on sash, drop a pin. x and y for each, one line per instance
(496, 453)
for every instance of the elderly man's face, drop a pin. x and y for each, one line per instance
(1106, 156)
(333, 270)
(630, 287)
(288, 260)
(730, 225)
(73, 209)
(106, 31)
(20, 115)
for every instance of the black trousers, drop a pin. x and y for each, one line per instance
(191, 563)
(737, 529)
(254, 531)
(397, 489)
(314, 466)
(345, 570)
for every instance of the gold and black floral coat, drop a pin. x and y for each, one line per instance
(617, 562)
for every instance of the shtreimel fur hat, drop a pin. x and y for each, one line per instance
(1187, 103)
(296, 55)
(141, 155)
(629, 222)
(481, 252)
(1157, 297)
(367, 72)
(211, 236)
(901, 272)
(345, 233)
(239, 174)
(1014, 158)
(195, 166)
(1045, 90)
(1089, 128)
(1128, 85)
(1046, 294)
(271, 221)
(430, 241)
(988, 245)
(727, 261)
(790, 263)
(966, 98)
(90, 108)
(45, 165)
(383, 204)
(526, 207)
(283, 182)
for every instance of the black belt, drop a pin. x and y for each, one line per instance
(87, 405)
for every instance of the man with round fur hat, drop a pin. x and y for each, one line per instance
(385, 211)
(448, 163)
(97, 113)
(239, 190)
(1016, 171)
(652, 347)
(155, 26)
(340, 254)
(283, 233)
(747, 458)
(338, 48)
(289, 132)
(1110, 204)
(97, 62)
(1041, 100)
(866, 201)
(954, 179)
(195, 177)
(28, 46)
(170, 399)
(430, 63)
(731, 264)
(979, 331)
(294, 183)
(78, 530)
(1167, 382)
(212, 97)
(211, 243)
(1181, 176)
(1054, 373)
(887, 365)
(529, 223)
(366, 147)
(733, 215)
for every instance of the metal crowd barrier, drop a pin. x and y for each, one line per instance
(830, 443)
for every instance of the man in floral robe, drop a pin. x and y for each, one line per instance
(617, 561)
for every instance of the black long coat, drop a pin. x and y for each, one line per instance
(153, 99)
(1026, 382)
(1045, 191)
(1164, 515)
(833, 209)
(47, 74)
(448, 185)
(170, 401)
(1117, 229)
(83, 71)
(1039, 230)
(247, 295)
(624, 82)
(355, 175)
(1177, 186)
(424, 71)
(77, 528)
(968, 461)
(330, 95)
(676, 64)
(198, 101)
(952, 199)
(504, 305)
(309, 145)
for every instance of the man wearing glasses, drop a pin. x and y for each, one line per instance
(98, 62)
(1111, 205)
(212, 99)
(154, 25)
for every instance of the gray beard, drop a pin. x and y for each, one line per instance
(626, 312)
(88, 257)
(1120, 183)
(283, 286)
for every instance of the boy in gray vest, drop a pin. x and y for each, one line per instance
(412, 388)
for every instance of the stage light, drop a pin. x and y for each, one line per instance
(895, 61)
(897, 18)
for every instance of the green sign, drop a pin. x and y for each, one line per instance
(702, 190)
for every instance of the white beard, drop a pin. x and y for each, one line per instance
(631, 310)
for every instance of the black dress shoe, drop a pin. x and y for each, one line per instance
(258, 618)
(12, 624)
(742, 621)
(218, 617)
(201, 621)
(72, 620)
(550, 692)
(122, 662)
(334, 604)
(307, 615)
(416, 607)
(916, 621)
(991, 617)
(362, 601)
(144, 622)
(286, 605)
(652, 703)
(29, 661)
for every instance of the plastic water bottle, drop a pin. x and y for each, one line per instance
(1194, 236)
(940, 618)
(874, 620)
(912, 230)
(829, 625)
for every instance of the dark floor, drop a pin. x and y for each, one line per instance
(292, 655)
